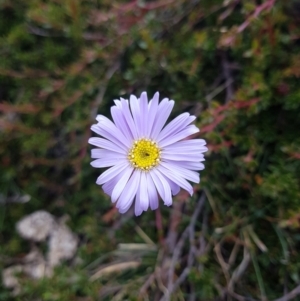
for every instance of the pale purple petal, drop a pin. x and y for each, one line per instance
(103, 143)
(152, 192)
(118, 103)
(181, 157)
(109, 136)
(193, 143)
(190, 175)
(120, 122)
(111, 128)
(109, 185)
(176, 125)
(135, 110)
(105, 162)
(189, 130)
(143, 113)
(121, 183)
(144, 198)
(163, 112)
(128, 117)
(126, 198)
(176, 178)
(183, 151)
(98, 153)
(137, 205)
(162, 186)
(174, 187)
(125, 209)
(152, 108)
(112, 172)
(157, 184)
(189, 164)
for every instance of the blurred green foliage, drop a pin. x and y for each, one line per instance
(234, 64)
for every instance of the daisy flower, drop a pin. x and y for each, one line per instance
(146, 159)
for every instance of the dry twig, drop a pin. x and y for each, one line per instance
(188, 232)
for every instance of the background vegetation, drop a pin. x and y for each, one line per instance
(235, 64)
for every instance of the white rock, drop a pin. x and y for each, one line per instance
(10, 280)
(62, 245)
(36, 226)
(35, 265)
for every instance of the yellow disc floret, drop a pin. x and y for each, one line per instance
(144, 154)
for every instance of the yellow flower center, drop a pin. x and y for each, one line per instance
(144, 154)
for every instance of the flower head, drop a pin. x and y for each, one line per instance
(146, 158)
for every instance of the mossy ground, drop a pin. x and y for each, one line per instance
(233, 64)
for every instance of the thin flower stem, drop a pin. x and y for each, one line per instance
(159, 226)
